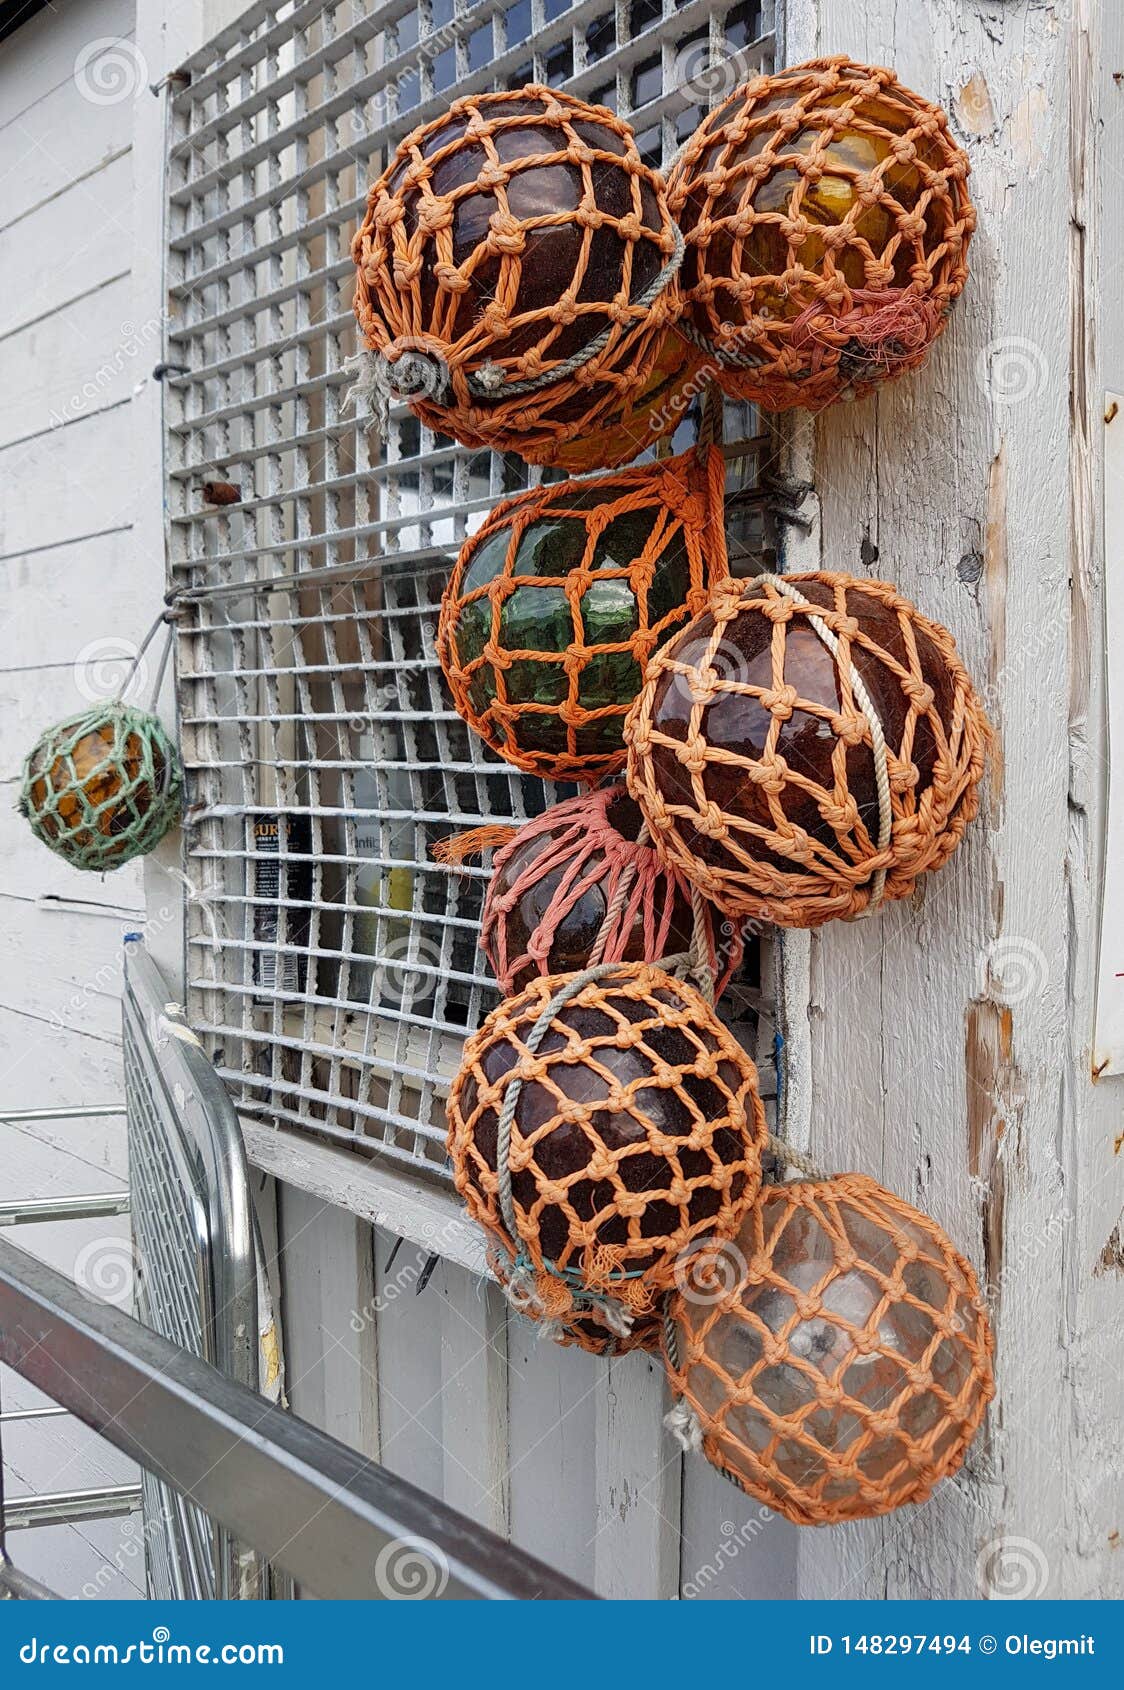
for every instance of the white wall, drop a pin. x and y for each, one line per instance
(73, 592)
(952, 1037)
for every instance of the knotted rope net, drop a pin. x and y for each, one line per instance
(102, 787)
(579, 885)
(835, 1359)
(586, 1331)
(827, 220)
(556, 604)
(515, 271)
(641, 419)
(599, 1123)
(807, 746)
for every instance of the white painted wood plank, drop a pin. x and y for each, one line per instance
(76, 978)
(329, 1346)
(409, 1328)
(67, 484)
(1108, 1048)
(102, 1562)
(41, 54)
(66, 1157)
(399, 1205)
(734, 1549)
(474, 1416)
(54, 143)
(56, 372)
(552, 1398)
(636, 1483)
(66, 247)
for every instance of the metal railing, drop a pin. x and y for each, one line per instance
(334, 1520)
(194, 1260)
(58, 1508)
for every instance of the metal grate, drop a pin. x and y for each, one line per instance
(333, 967)
(195, 1279)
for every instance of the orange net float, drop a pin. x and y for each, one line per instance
(827, 221)
(679, 374)
(515, 272)
(835, 1359)
(555, 605)
(580, 885)
(807, 747)
(600, 1122)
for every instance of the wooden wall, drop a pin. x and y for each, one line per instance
(73, 593)
(951, 1038)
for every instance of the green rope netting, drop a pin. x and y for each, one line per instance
(103, 787)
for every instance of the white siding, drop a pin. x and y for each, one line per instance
(68, 576)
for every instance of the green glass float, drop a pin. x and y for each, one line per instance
(102, 787)
(555, 606)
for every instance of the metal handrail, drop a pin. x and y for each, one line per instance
(68, 1507)
(330, 1517)
(91, 1206)
(199, 1101)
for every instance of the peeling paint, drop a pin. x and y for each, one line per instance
(1112, 1256)
(1026, 130)
(994, 1092)
(973, 107)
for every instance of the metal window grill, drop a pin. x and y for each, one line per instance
(333, 967)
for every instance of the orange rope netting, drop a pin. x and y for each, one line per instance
(600, 1123)
(556, 604)
(835, 1359)
(582, 1331)
(580, 884)
(516, 271)
(678, 375)
(808, 745)
(827, 222)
